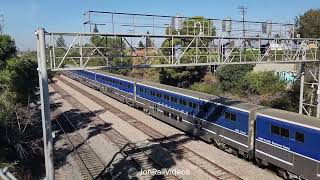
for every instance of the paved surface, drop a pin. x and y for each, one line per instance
(241, 168)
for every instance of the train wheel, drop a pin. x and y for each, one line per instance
(283, 173)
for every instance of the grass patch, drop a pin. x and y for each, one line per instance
(203, 87)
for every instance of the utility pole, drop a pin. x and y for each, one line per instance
(1, 24)
(243, 11)
(45, 104)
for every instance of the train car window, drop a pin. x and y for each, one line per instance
(230, 116)
(184, 102)
(233, 117)
(166, 113)
(180, 101)
(190, 104)
(275, 130)
(129, 86)
(174, 99)
(299, 137)
(280, 131)
(284, 132)
(194, 106)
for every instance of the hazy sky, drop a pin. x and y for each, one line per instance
(22, 17)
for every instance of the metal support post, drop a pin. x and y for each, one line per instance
(318, 93)
(302, 73)
(45, 104)
(81, 53)
(145, 50)
(172, 50)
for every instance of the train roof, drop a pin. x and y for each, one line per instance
(202, 96)
(291, 117)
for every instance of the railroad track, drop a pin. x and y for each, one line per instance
(90, 165)
(142, 157)
(212, 169)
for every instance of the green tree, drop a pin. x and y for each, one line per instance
(287, 101)
(148, 41)
(7, 49)
(140, 44)
(181, 77)
(262, 83)
(308, 24)
(95, 29)
(186, 76)
(61, 42)
(20, 128)
(231, 75)
(23, 80)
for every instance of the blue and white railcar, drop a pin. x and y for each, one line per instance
(289, 141)
(227, 123)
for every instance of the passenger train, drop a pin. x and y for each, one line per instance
(286, 140)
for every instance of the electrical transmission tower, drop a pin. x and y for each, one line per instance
(243, 11)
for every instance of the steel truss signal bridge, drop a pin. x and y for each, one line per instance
(129, 40)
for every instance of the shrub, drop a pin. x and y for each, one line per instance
(214, 89)
(262, 83)
(231, 75)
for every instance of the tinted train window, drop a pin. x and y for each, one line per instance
(275, 129)
(284, 132)
(153, 93)
(190, 104)
(173, 99)
(194, 105)
(184, 102)
(230, 116)
(299, 137)
(280, 131)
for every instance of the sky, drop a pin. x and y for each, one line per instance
(23, 17)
